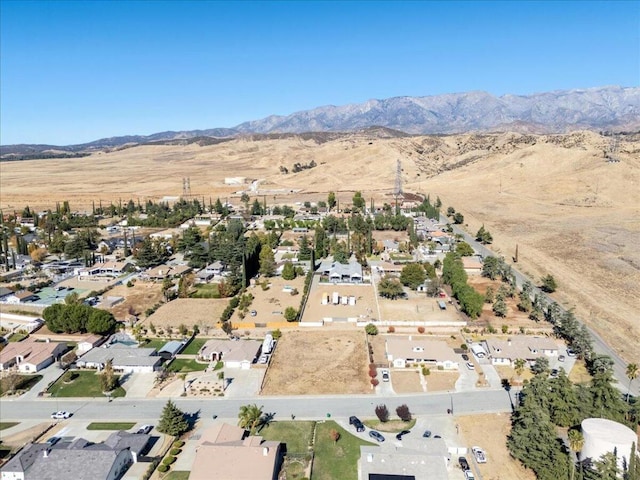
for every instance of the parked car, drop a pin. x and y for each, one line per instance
(427, 434)
(61, 415)
(402, 433)
(263, 359)
(464, 465)
(471, 366)
(145, 429)
(465, 357)
(571, 352)
(377, 436)
(385, 375)
(479, 454)
(468, 475)
(53, 440)
(253, 313)
(355, 421)
(561, 358)
(554, 373)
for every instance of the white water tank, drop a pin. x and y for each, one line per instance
(603, 436)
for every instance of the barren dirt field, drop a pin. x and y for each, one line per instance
(204, 312)
(489, 432)
(270, 304)
(406, 381)
(137, 299)
(571, 213)
(325, 363)
(417, 308)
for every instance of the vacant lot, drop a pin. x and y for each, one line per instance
(417, 307)
(489, 432)
(406, 381)
(137, 298)
(318, 362)
(270, 304)
(204, 312)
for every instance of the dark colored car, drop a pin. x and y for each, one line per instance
(465, 357)
(376, 436)
(427, 434)
(464, 465)
(401, 434)
(355, 421)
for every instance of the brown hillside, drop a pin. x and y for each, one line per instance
(573, 214)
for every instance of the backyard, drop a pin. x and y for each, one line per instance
(86, 384)
(17, 383)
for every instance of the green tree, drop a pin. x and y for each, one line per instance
(288, 271)
(250, 417)
(412, 275)
(518, 366)
(458, 218)
(540, 366)
(500, 308)
(358, 201)
(483, 236)
(491, 267)
(331, 200)
(489, 295)
(267, 261)
(290, 314)
(450, 211)
(549, 284)
(72, 299)
(172, 421)
(108, 379)
(632, 373)
(464, 249)
(371, 329)
(390, 287)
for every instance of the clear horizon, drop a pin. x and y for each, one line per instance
(75, 72)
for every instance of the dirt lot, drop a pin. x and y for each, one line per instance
(489, 432)
(406, 381)
(204, 312)
(365, 306)
(318, 362)
(270, 304)
(137, 299)
(417, 307)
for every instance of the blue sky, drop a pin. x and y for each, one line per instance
(72, 72)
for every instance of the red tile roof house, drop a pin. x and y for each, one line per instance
(225, 452)
(30, 356)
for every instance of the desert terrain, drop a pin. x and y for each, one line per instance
(571, 213)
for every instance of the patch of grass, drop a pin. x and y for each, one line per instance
(17, 337)
(177, 475)
(296, 435)
(156, 343)
(110, 425)
(206, 290)
(392, 426)
(336, 460)
(194, 346)
(5, 425)
(183, 365)
(23, 382)
(579, 373)
(86, 385)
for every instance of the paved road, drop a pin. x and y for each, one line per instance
(599, 345)
(302, 407)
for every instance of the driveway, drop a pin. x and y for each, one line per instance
(138, 385)
(467, 380)
(243, 383)
(385, 388)
(49, 375)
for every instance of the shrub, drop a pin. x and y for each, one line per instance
(175, 451)
(426, 371)
(403, 412)
(464, 347)
(129, 284)
(168, 460)
(373, 373)
(163, 468)
(505, 328)
(375, 382)
(391, 329)
(420, 329)
(382, 412)
(178, 444)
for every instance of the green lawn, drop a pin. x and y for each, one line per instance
(206, 290)
(177, 475)
(22, 382)
(156, 343)
(183, 365)
(110, 425)
(17, 337)
(296, 435)
(194, 346)
(5, 425)
(336, 460)
(86, 385)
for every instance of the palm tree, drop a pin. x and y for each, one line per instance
(632, 373)
(576, 442)
(518, 366)
(250, 417)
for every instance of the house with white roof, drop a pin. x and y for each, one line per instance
(402, 351)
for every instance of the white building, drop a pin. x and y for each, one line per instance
(606, 436)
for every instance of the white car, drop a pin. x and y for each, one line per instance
(385, 375)
(60, 415)
(468, 475)
(479, 454)
(471, 366)
(145, 429)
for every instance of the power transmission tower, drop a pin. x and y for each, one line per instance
(186, 187)
(397, 190)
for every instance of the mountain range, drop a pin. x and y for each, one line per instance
(610, 108)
